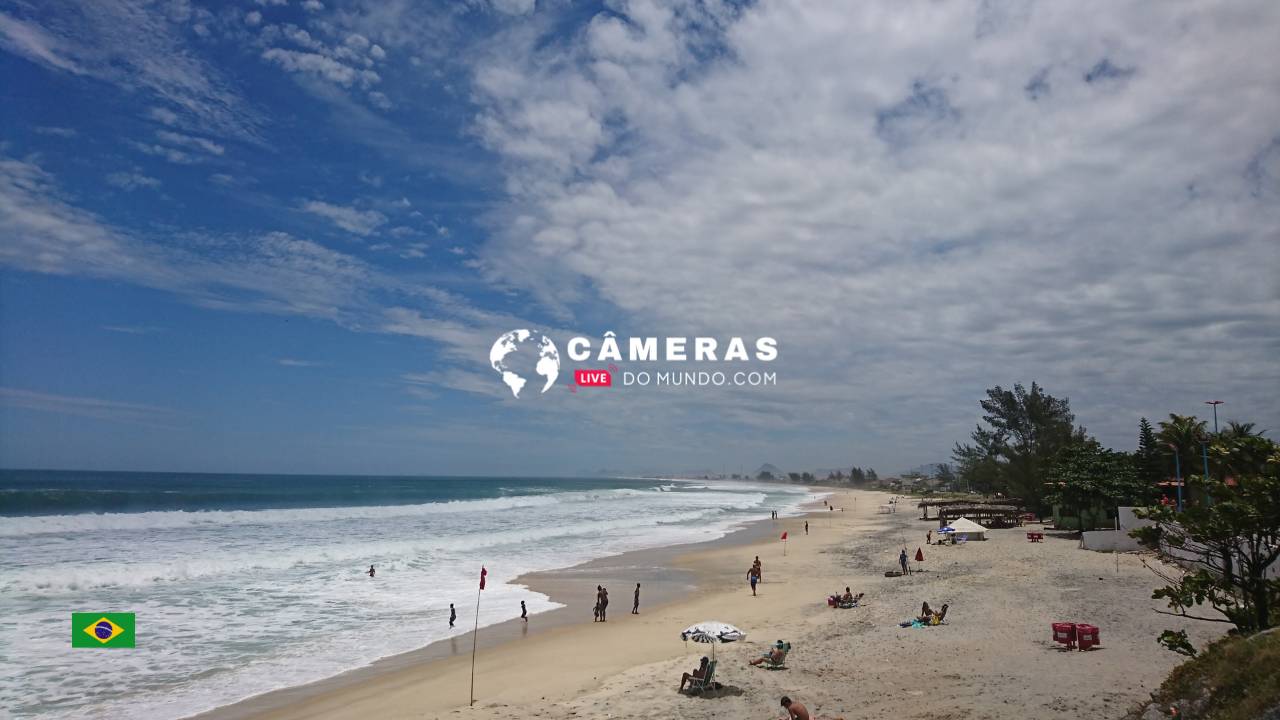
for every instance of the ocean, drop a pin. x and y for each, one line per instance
(248, 583)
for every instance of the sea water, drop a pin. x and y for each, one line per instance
(247, 583)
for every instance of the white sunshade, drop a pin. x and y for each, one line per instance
(965, 525)
(712, 631)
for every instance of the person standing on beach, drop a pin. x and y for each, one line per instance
(453, 615)
(758, 569)
(524, 612)
(806, 527)
(753, 576)
(599, 591)
(928, 538)
(635, 605)
(604, 604)
(902, 560)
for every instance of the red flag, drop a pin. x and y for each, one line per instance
(483, 572)
(784, 536)
(919, 555)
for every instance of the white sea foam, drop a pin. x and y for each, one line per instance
(235, 603)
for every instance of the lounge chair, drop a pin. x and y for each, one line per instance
(697, 686)
(781, 664)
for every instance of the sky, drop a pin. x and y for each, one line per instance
(282, 235)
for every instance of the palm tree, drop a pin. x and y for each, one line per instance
(1183, 434)
(1238, 430)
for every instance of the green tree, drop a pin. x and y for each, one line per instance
(1086, 476)
(1182, 435)
(1241, 430)
(1231, 540)
(1149, 460)
(1025, 431)
(871, 475)
(946, 476)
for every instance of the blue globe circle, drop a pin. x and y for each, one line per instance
(102, 630)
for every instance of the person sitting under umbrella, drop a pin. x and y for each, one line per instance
(697, 674)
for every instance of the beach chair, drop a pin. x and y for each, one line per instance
(769, 664)
(697, 686)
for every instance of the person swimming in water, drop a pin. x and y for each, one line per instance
(370, 571)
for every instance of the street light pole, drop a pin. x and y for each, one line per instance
(1215, 404)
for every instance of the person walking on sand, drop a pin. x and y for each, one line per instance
(759, 569)
(604, 604)
(902, 560)
(370, 571)
(635, 604)
(453, 615)
(806, 527)
(524, 612)
(753, 576)
(599, 590)
(928, 538)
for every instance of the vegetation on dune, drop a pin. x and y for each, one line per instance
(1234, 679)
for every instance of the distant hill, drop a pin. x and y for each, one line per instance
(773, 470)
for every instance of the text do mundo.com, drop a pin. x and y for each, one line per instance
(699, 378)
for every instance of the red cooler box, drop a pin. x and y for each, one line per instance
(1065, 633)
(1087, 636)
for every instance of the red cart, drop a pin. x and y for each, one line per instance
(1065, 633)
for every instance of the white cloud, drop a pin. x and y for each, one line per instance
(360, 222)
(321, 66)
(139, 50)
(63, 132)
(177, 157)
(877, 186)
(380, 100)
(291, 362)
(253, 17)
(131, 180)
(196, 143)
(133, 329)
(32, 42)
(89, 407)
(312, 5)
(163, 115)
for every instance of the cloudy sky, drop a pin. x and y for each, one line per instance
(281, 235)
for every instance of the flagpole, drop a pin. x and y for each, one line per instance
(474, 633)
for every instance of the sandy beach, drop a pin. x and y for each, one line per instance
(993, 658)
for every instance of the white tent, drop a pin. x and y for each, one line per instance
(967, 527)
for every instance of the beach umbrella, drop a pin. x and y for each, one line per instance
(713, 632)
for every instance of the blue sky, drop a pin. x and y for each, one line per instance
(277, 235)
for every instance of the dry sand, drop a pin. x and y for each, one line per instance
(993, 659)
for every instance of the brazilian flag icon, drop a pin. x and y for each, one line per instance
(111, 630)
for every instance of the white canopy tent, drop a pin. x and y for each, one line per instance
(969, 528)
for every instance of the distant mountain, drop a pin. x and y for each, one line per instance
(773, 470)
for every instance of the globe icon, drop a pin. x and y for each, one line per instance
(522, 355)
(103, 630)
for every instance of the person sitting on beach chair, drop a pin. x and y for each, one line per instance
(776, 658)
(698, 674)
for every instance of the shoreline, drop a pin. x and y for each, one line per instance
(992, 658)
(665, 577)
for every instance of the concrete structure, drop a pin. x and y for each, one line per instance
(1115, 540)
